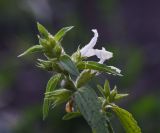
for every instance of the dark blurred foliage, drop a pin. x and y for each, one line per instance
(130, 29)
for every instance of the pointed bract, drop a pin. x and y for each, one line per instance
(42, 30)
(61, 33)
(33, 49)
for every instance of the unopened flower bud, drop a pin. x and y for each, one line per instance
(52, 41)
(44, 43)
(58, 50)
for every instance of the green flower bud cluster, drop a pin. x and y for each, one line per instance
(48, 44)
(52, 48)
(109, 96)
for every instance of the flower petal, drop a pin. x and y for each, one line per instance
(103, 54)
(87, 50)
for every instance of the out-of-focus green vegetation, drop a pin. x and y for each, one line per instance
(130, 29)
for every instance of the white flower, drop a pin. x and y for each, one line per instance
(88, 50)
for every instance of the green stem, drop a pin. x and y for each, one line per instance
(110, 127)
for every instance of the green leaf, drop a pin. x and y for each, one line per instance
(60, 93)
(84, 77)
(61, 33)
(113, 94)
(120, 96)
(96, 66)
(101, 90)
(127, 120)
(106, 88)
(33, 49)
(58, 96)
(71, 115)
(49, 65)
(67, 64)
(89, 106)
(45, 108)
(51, 85)
(42, 30)
(45, 64)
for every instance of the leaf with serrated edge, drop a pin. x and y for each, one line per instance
(129, 123)
(89, 106)
(51, 85)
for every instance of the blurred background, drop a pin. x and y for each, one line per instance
(130, 29)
